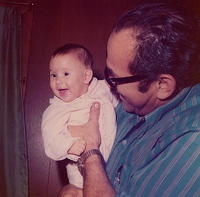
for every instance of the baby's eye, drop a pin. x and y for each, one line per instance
(53, 75)
(66, 74)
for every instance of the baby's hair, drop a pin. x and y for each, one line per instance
(82, 53)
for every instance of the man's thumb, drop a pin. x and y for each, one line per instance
(94, 112)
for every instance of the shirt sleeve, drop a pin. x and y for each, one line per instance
(57, 140)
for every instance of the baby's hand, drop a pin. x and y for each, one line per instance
(77, 147)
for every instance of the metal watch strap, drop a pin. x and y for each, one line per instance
(85, 156)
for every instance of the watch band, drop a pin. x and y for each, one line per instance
(85, 156)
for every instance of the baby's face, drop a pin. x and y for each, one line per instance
(68, 77)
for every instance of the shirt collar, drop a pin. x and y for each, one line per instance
(132, 120)
(169, 107)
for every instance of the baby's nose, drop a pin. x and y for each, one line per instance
(59, 80)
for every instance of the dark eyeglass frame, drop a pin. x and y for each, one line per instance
(114, 82)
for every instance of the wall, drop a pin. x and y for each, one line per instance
(56, 22)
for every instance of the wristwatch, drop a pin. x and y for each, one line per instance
(85, 156)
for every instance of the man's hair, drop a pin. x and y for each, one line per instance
(82, 52)
(167, 43)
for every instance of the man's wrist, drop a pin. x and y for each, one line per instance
(91, 147)
(87, 155)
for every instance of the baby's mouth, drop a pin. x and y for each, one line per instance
(62, 91)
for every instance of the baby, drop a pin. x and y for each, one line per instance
(75, 89)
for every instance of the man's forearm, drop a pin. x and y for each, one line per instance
(96, 182)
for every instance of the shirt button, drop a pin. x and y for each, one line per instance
(142, 119)
(124, 142)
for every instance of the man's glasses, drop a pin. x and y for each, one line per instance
(114, 82)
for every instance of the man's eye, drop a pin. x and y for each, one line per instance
(66, 74)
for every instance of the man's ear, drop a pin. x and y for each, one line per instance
(166, 86)
(88, 75)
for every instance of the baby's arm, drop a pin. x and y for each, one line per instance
(77, 147)
(57, 139)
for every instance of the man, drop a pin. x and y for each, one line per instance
(153, 66)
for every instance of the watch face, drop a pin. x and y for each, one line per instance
(84, 156)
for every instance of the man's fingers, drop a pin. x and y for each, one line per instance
(94, 112)
(71, 191)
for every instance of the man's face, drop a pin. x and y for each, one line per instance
(120, 52)
(67, 77)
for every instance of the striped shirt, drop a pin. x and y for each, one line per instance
(158, 155)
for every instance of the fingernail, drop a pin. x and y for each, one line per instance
(96, 105)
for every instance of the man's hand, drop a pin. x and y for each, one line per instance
(71, 191)
(77, 147)
(89, 131)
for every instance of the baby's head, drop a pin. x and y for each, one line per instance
(70, 71)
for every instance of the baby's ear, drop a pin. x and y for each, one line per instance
(166, 86)
(88, 75)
